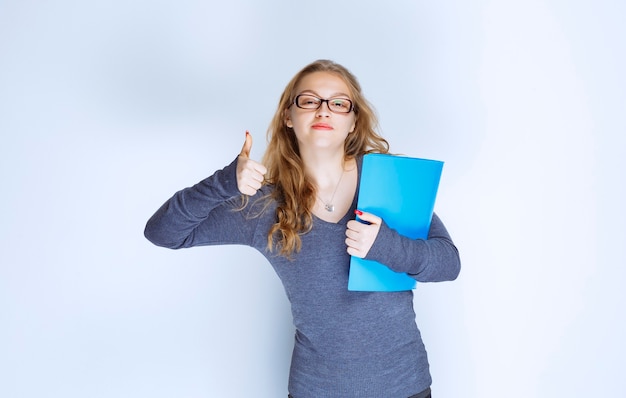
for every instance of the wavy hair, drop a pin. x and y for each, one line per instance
(293, 192)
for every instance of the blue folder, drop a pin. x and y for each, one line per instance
(402, 191)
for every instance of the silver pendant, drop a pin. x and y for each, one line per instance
(329, 207)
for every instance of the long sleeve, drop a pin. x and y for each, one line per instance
(201, 215)
(431, 260)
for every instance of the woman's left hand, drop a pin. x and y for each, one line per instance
(360, 236)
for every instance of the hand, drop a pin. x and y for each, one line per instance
(250, 174)
(361, 236)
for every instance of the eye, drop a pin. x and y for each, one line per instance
(308, 101)
(340, 103)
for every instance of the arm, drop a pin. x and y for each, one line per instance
(432, 260)
(427, 260)
(177, 222)
(204, 214)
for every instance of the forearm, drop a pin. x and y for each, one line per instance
(432, 260)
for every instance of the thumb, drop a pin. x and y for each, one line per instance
(369, 218)
(247, 145)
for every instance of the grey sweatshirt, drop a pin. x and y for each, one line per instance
(347, 343)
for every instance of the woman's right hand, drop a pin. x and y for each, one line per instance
(250, 174)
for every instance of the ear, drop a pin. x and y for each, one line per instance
(287, 119)
(352, 127)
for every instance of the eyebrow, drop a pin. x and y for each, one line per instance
(335, 95)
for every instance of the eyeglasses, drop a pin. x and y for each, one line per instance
(337, 105)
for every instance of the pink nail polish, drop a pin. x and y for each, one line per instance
(358, 212)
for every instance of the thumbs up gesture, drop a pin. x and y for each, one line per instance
(250, 174)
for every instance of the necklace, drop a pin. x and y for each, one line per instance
(329, 206)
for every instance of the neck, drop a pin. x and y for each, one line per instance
(324, 169)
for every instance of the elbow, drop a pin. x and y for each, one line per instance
(454, 265)
(153, 237)
(445, 267)
(149, 234)
(157, 238)
(455, 270)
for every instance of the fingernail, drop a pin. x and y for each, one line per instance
(358, 212)
(247, 132)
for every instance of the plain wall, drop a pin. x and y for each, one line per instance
(109, 107)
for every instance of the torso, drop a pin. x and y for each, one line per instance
(348, 343)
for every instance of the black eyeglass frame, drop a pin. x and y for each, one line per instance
(322, 100)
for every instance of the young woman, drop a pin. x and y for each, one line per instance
(297, 208)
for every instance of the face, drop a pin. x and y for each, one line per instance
(321, 128)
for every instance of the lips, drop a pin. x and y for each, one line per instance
(322, 126)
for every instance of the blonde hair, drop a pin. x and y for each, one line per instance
(294, 193)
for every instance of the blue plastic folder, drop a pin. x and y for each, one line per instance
(402, 191)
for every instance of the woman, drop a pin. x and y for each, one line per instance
(297, 208)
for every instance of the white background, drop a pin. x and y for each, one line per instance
(108, 107)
